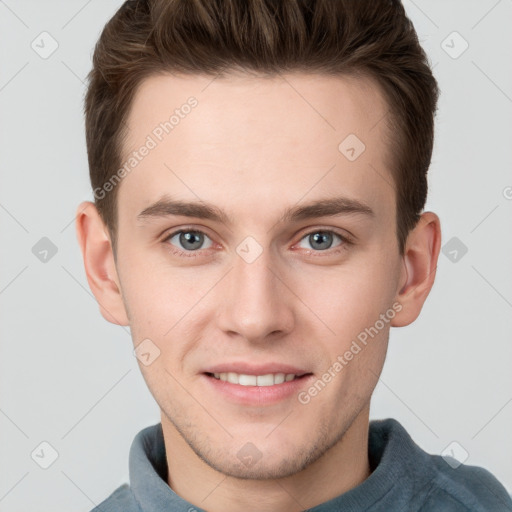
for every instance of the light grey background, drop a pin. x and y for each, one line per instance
(69, 378)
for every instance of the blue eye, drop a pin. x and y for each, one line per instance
(189, 240)
(322, 240)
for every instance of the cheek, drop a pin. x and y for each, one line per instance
(165, 302)
(351, 303)
(349, 299)
(147, 294)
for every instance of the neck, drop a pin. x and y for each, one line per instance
(344, 466)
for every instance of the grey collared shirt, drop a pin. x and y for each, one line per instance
(404, 478)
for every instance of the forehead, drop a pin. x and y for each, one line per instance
(249, 137)
(240, 104)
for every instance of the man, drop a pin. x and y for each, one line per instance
(259, 171)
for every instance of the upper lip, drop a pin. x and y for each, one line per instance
(245, 368)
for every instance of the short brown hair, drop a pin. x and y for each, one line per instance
(372, 38)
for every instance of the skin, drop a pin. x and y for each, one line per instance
(254, 147)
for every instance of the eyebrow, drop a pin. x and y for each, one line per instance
(331, 207)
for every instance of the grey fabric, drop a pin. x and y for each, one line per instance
(404, 478)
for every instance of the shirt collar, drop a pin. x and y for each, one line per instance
(393, 456)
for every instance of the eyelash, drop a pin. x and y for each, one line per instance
(345, 242)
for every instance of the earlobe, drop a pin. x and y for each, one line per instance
(99, 263)
(419, 268)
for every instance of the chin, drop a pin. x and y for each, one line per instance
(259, 469)
(269, 461)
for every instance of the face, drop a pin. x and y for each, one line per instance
(251, 279)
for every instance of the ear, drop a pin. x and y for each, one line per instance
(419, 268)
(99, 263)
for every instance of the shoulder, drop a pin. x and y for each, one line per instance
(121, 500)
(464, 488)
(432, 483)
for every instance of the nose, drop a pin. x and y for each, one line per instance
(256, 303)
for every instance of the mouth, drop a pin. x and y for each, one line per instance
(255, 390)
(265, 380)
(257, 384)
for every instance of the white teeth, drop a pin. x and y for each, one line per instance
(265, 380)
(279, 378)
(233, 378)
(247, 380)
(255, 380)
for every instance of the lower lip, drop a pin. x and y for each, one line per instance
(258, 395)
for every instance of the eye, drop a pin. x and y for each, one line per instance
(189, 240)
(322, 240)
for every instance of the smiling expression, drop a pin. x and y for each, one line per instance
(250, 244)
